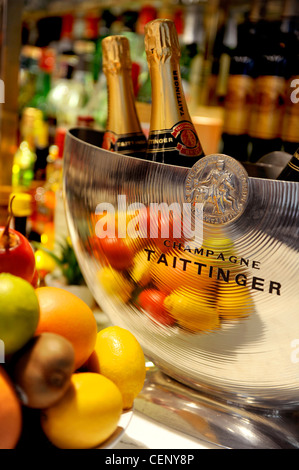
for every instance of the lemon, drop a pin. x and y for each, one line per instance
(120, 358)
(44, 261)
(192, 311)
(19, 312)
(141, 269)
(87, 414)
(115, 284)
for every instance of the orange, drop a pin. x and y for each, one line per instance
(65, 314)
(192, 311)
(87, 414)
(10, 413)
(170, 271)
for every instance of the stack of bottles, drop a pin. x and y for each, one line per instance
(260, 106)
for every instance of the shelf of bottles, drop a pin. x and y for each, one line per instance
(240, 72)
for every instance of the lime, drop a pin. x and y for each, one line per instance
(19, 312)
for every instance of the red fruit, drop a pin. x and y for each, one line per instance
(118, 252)
(16, 253)
(152, 301)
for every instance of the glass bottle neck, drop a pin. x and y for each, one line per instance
(122, 115)
(168, 99)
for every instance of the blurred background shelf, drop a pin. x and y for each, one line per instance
(51, 62)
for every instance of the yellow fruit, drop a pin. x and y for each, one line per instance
(192, 311)
(44, 262)
(115, 284)
(171, 271)
(140, 272)
(87, 414)
(19, 312)
(234, 301)
(119, 357)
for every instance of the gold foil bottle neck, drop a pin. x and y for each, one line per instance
(116, 54)
(161, 39)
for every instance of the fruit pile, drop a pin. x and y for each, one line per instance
(174, 286)
(62, 382)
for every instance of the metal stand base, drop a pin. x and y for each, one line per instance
(219, 424)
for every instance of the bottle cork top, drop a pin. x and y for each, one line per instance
(161, 39)
(116, 53)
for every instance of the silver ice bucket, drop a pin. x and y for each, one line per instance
(231, 297)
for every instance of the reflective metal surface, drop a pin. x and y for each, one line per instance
(218, 424)
(233, 299)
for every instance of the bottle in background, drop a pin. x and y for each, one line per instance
(146, 14)
(66, 42)
(41, 150)
(192, 55)
(229, 44)
(269, 92)
(291, 171)
(21, 204)
(29, 69)
(225, 35)
(290, 37)
(172, 136)
(239, 93)
(25, 156)
(123, 132)
(43, 82)
(47, 197)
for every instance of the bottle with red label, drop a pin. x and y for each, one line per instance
(172, 135)
(123, 132)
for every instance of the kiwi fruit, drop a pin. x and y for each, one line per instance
(42, 370)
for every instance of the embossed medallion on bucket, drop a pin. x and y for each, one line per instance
(220, 183)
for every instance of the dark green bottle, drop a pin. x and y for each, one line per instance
(291, 170)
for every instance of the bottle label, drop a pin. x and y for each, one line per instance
(237, 104)
(266, 114)
(294, 162)
(180, 138)
(128, 144)
(290, 127)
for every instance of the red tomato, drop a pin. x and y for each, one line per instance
(152, 301)
(16, 255)
(118, 252)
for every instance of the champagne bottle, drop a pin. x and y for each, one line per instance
(291, 170)
(123, 132)
(172, 135)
